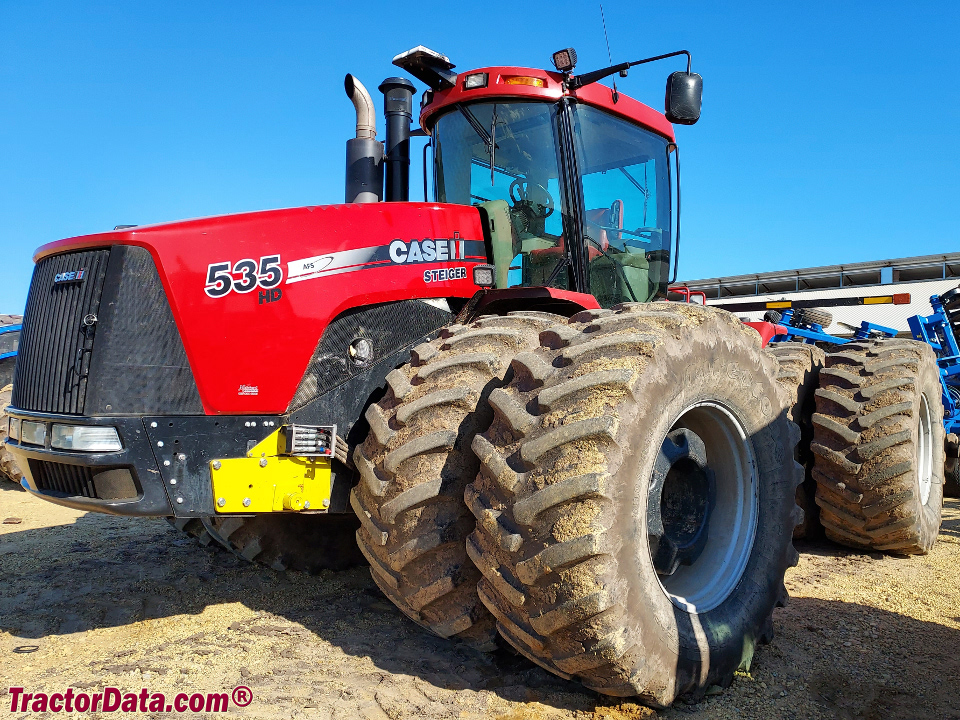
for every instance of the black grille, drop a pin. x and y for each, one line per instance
(389, 327)
(54, 353)
(62, 478)
(140, 366)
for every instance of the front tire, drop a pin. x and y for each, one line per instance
(631, 441)
(416, 462)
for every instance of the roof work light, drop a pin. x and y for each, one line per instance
(565, 60)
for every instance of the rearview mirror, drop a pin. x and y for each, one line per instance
(684, 93)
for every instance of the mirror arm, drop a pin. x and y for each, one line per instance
(578, 81)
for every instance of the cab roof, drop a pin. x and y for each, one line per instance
(515, 83)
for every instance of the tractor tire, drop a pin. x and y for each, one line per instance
(799, 374)
(658, 424)
(951, 481)
(309, 543)
(416, 462)
(8, 343)
(879, 446)
(8, 465)
(814, 316)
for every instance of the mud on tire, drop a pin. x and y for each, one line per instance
(415, 464)
(309, 543)
(799, 374)
(571, 469)
(879, 446)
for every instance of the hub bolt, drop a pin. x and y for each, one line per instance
(263, 462)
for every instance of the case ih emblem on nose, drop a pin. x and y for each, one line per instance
(70, 276)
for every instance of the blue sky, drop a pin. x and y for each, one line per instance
(828, 135)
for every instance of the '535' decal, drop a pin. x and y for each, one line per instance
(220, 278)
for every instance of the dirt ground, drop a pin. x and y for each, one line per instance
(88, 601)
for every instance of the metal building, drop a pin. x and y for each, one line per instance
(885, 292)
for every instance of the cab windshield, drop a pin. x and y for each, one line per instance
(503, 157)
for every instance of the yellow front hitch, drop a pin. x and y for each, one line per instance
(268, 481)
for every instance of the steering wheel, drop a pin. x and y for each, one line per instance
(518, 192)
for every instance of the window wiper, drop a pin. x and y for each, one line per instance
(477, 127)
(633, 181)
(638, 232)
(561, 264)
(617, 266)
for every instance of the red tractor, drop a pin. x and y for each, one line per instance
(486, 387)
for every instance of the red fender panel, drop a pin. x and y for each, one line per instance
(252, 293)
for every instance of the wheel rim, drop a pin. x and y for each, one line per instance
(705, 581)
(925, 451)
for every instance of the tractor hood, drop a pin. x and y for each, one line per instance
(251, 294)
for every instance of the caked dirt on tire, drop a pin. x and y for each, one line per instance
(108, 601)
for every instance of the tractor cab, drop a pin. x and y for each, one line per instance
(573, 182)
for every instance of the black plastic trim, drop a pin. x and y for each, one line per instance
(136, 456)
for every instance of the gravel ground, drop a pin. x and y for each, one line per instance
(88, 601)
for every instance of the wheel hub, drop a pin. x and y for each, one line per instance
(701, 518)
(680, 499)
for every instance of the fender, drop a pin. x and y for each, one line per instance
(561, 302)
(767, 331)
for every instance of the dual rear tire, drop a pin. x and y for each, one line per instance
(307, 542)
(879, 446)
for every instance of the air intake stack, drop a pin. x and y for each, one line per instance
(398, 111)
(364, 182)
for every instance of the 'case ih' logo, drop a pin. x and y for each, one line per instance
(71, 276)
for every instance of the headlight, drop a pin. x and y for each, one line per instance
(476, 80)
(13, 429)
(92, 438)
(33, 433)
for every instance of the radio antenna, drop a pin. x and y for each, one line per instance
(616, 95)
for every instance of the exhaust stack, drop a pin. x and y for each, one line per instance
(398, 111)
(364, 180)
